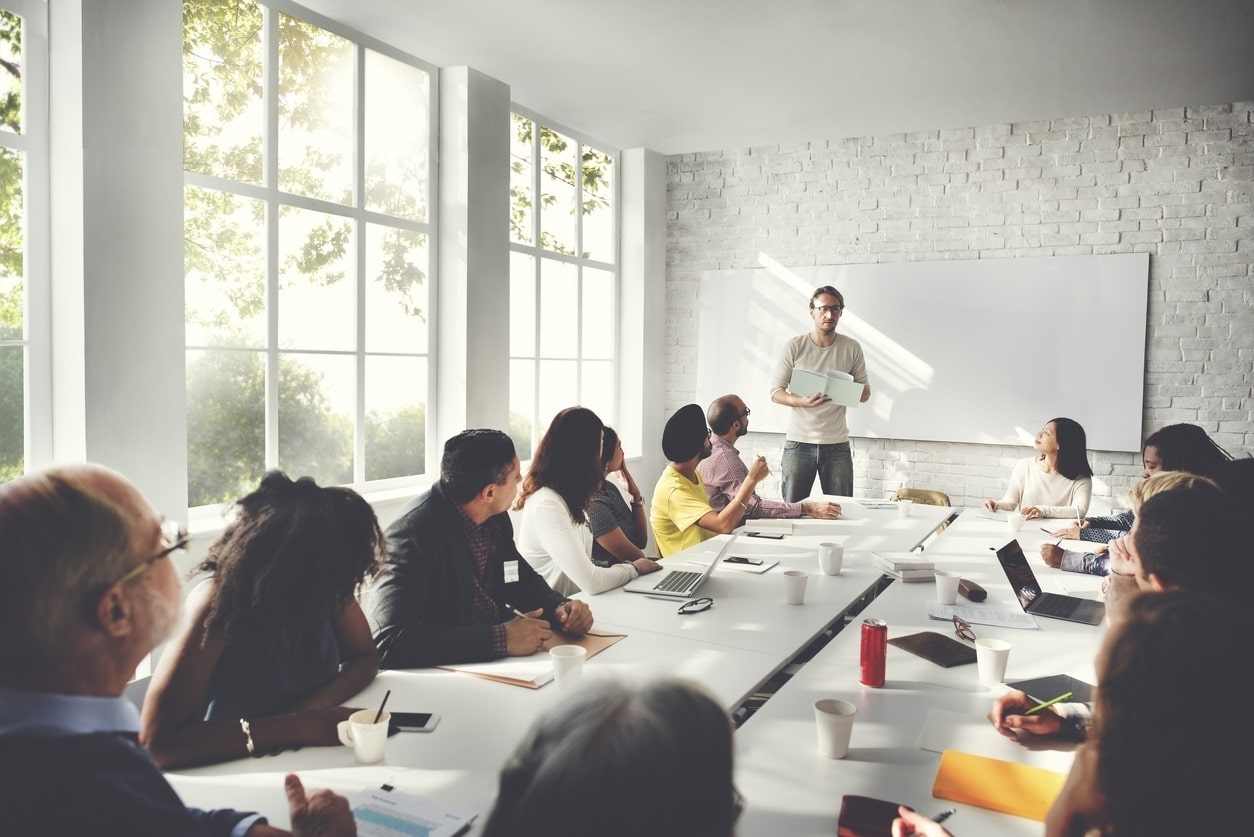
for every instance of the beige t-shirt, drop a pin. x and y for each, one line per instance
(825, 424)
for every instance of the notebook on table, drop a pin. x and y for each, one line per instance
(1039, 603)
(678, 584)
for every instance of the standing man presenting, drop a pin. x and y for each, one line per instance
(724, 471)
(817, 441)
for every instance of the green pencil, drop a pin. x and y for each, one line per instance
(1041, 706)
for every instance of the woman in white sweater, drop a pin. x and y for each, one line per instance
(1058, 481)
(553, 535)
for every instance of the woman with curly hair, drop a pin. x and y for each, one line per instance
(273, 640)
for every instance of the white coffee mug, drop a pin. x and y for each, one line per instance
(831, 558)
(367, 738)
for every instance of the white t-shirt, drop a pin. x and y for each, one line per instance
(825, 424)
(1053, 494)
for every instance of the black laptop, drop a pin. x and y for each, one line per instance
(1038, 603)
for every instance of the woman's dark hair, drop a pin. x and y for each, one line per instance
(567, 460)
(609, 446)
(1073, 454)
(1186, 447)
(1162, 766)
(568, 777)
(294, 554)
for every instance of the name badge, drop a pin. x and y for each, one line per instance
(511, 572)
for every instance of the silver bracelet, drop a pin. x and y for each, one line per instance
(248, 736)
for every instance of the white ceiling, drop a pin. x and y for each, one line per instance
(694, 75)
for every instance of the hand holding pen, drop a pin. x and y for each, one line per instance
(525, 634)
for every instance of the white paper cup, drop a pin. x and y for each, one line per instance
(834, 720)
(947, 586)
(991, 656)
(903, 507)
(567, 663)
(367, 739)
(795, 586)
(831, 558)
(1014, 522)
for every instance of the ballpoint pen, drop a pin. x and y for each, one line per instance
(944, 815)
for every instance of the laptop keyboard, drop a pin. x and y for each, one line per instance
(676, 581)
(1054, 606)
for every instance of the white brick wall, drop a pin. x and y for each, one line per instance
(1177, 184)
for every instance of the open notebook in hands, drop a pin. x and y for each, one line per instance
(1039, 603)
(678, 584)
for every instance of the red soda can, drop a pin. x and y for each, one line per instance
(874, 651)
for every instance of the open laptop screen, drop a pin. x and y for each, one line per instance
(1019, 573)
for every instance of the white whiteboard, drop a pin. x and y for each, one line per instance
(979, 351)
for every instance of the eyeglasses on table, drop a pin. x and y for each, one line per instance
(696, 605)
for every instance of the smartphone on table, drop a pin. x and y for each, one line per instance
(775, 536)
(415, 721)
(741, 559)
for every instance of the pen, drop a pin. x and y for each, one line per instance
(1046, 531)
(944, 815)
(1041, 706)
(516, 611)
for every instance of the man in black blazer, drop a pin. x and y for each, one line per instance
(454, 588)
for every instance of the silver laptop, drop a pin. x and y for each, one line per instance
(677, 584)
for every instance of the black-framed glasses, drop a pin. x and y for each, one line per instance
(696, 605)
(746, 413)
(829, 309)
(177, 538)
(963, 629)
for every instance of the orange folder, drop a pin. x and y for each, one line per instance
(998, 785)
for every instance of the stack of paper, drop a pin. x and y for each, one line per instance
(537, 670)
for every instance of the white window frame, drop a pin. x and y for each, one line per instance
(539, 253)
(33, 143)
(273, 197)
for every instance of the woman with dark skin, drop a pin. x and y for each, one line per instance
(273, 641)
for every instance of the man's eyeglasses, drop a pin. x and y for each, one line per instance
(829, 309)
(696, 605)
(175, 534)
(963, 629)
(746, 413)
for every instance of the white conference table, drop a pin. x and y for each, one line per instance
(457, 763)
(790, 789)
(749, 610)
(732, 649)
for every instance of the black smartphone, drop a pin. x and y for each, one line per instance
(415, 721)
(740, 559)
(775, 536)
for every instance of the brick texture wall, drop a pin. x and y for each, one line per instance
(1177, 184)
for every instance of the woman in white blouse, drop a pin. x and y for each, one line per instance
(553, 535)
(1058, 481)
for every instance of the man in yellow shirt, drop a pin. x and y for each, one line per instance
(681, 515)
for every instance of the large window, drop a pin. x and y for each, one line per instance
(23, 247)
(563, 278)
(308, 157)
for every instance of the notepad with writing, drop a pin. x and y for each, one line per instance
(537, 670)
(997, 785)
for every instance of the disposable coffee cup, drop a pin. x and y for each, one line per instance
(991, 656)
(834, 721)
(831, 558)
(1014, 522)
(795, 586)
(567, 663)
(903, 507)
(367, 738)
(947, 586)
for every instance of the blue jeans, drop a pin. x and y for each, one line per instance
(802, 461)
